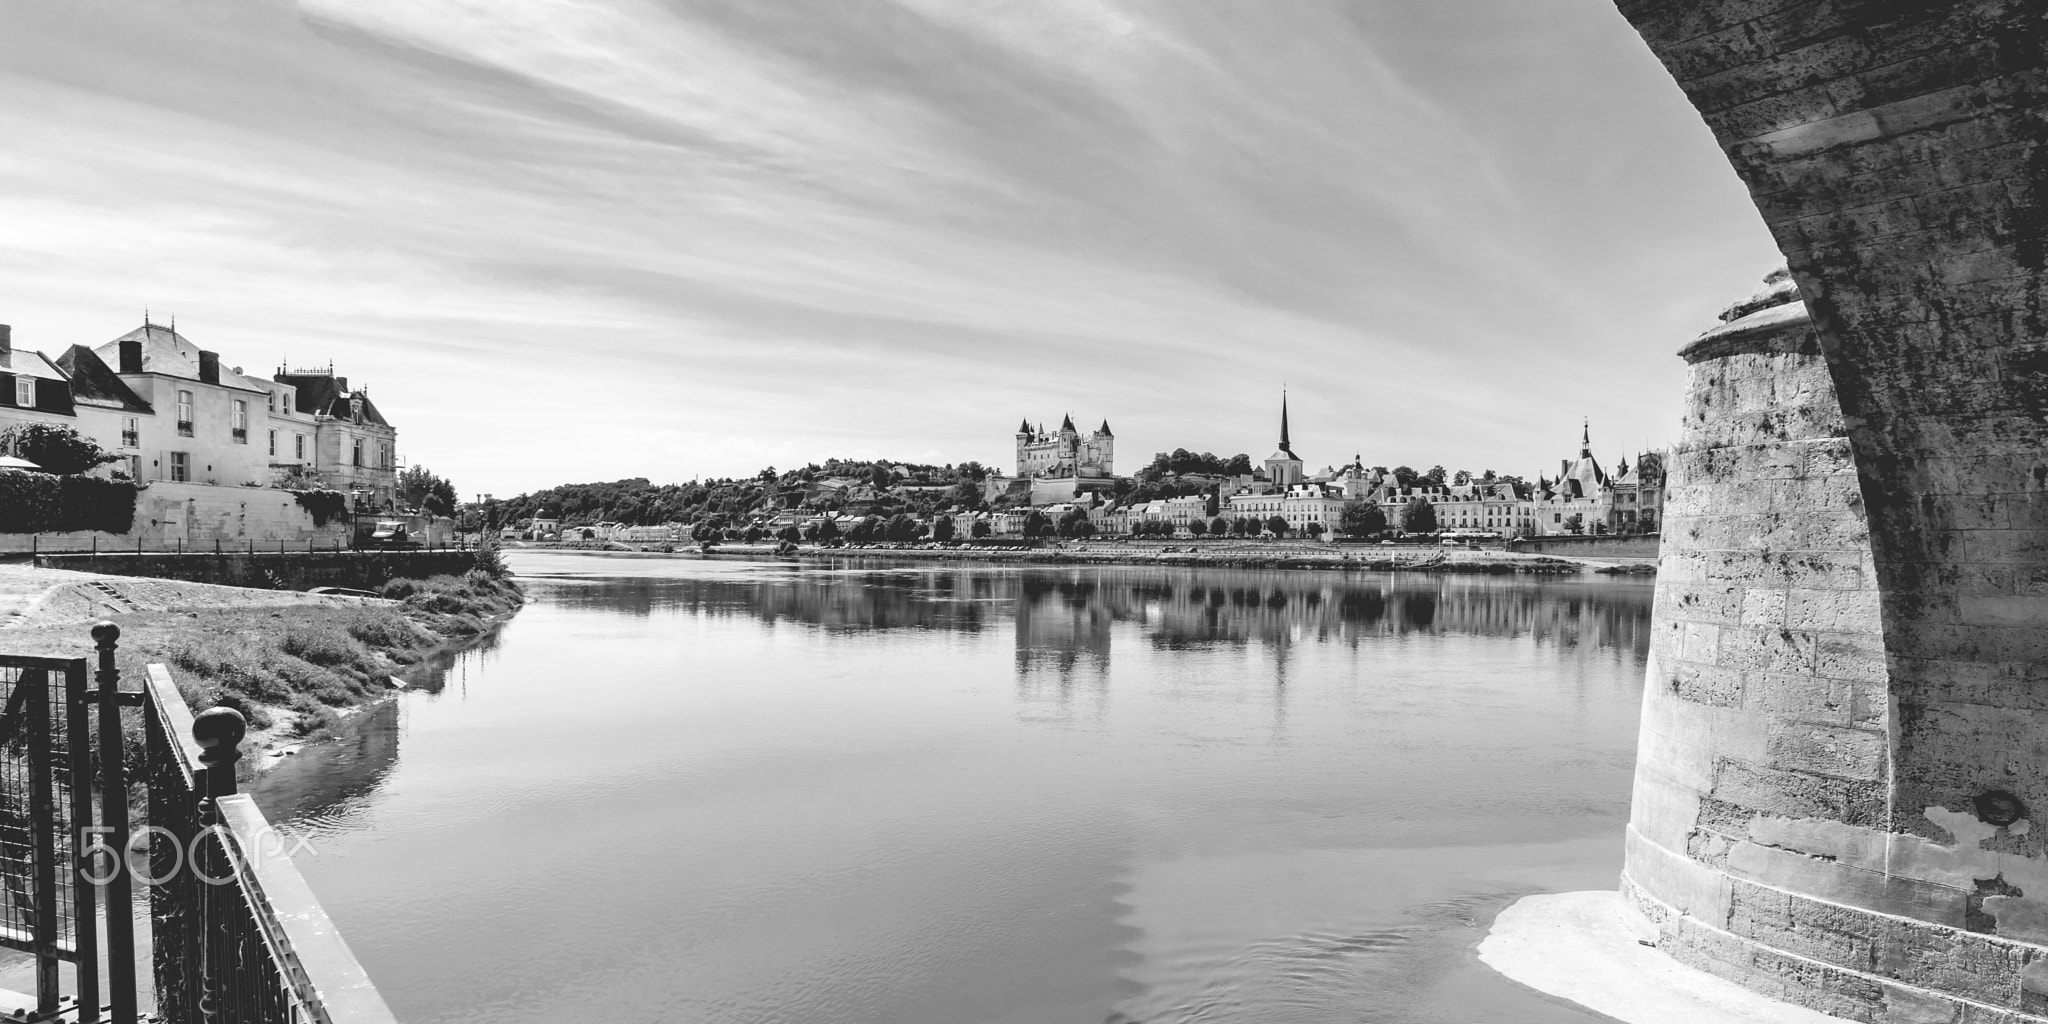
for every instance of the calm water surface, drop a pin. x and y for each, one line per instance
(681, 790)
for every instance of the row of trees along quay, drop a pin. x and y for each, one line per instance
(881, 500)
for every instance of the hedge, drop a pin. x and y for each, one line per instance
(43, 503)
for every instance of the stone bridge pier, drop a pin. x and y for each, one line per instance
(1842, 790)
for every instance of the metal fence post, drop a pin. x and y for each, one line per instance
(84, 915)
(114, 814)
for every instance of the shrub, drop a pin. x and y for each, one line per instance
(322, 504)
(42, 503)
(55, 447)
(490, 557)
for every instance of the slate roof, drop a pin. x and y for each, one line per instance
(167, 352)
(30, 363)
(93, 381)
(327, 395)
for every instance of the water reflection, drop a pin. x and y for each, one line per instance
(323, 787)
(1065, 619)
(757, 792)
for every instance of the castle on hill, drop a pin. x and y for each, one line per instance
(1059, 465)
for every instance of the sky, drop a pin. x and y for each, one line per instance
(571, 240)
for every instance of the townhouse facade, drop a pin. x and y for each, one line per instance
(175, 414)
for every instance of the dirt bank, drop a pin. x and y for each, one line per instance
(292, 663)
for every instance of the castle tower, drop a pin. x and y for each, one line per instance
(1104, 444)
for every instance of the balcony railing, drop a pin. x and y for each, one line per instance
(131, 439)
(240, 434)
(184, 428)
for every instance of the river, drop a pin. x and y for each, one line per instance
(721, 791)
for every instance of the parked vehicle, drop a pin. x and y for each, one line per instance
(391, 533)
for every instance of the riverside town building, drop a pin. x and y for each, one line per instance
(174, 413)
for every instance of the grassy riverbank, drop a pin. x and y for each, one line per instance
(294, 671)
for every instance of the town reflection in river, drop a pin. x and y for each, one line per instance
(690, 790)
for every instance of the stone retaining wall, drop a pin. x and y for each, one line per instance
(198, 516)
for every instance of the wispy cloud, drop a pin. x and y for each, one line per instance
(682, 238)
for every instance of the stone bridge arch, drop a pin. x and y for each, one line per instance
(1842, 790)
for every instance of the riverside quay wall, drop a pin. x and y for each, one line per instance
(1595, 547)
(1846, 718)
(295, 570)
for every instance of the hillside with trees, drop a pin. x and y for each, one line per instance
(878, 488)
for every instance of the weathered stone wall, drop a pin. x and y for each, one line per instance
(292, 571)
(1895, 151)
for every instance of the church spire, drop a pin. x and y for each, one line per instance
(1285, 446)
(1586, 439)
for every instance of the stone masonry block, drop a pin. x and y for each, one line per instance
(1827, 750)
(1706, 684)
(1765, 649)
(1802, 698)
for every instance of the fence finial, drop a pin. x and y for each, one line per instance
(219, 732)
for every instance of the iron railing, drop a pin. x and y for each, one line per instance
(237, 936)
(44, 751)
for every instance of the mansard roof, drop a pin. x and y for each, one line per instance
(93, 381)
(324, 394)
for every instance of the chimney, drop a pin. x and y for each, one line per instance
(131, 357)
(209, 367)
(6, 339)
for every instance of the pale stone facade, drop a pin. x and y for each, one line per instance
(1055, 466)
(1065, 453)
(175, 414)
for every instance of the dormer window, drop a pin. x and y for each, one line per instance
(25, 391)
(284, 400)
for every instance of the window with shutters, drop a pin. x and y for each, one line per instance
(181, 467)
